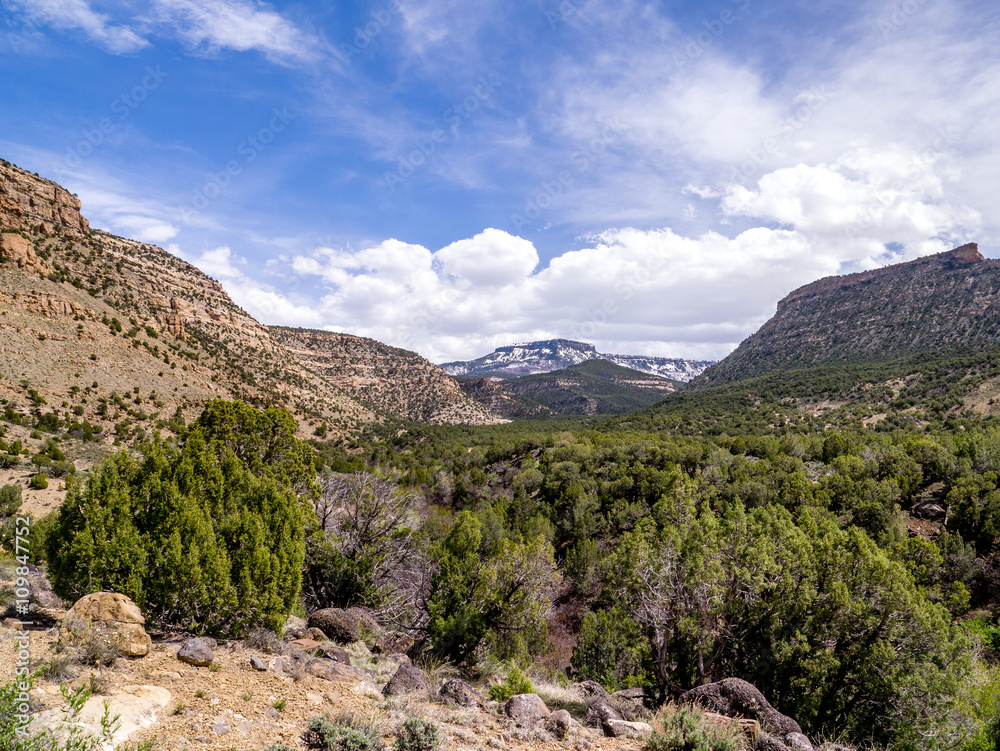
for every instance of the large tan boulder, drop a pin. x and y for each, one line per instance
(108, 612)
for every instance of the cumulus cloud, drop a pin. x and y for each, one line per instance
(649, 291)
(77, 15)
(261, 301)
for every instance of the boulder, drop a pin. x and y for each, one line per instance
(392, 642)
(258, 664)
(108, 612)
(458, 692)
(623, 729)
(558, 723)
(295, 626)
(590, 690)
(526, 710)
(798, 742)
(735, 697)
(137, 707)
(407, 680)
(768, 742)
(631, 701)
(197, 652)
(338, 625)
(366, 620)
(601, 713)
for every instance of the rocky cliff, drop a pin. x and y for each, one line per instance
(387, 379)
(943, 302)
(83, 309)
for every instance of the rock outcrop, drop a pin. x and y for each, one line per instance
(943, 302)
(109, 613)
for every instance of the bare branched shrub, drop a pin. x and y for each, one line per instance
(364, 552)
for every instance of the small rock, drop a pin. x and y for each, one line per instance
(558, 723)
(196, 652)
(257, 664)
(316, 634)
(305, 645)
(244, 727)
(337, 654)
(623, 729)
(328, 670)
(271, 712)
(458, 692)
(281, 666)
(295, 624)
(392, 642)
(526, 709)
(220, 729)
(314, 698)
(407, 680)
(367, 688)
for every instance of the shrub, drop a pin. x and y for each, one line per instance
(417, 735)
(322, 734)
(9, 460)
(39, 481)
(207, 537)
(685, 729)
(611, 649)
(516, 683)
(10, 499)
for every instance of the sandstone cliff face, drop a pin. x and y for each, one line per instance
(388, 379)
(180, 335)
(34, 204)
(947, 301)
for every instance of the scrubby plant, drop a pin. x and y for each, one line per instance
(417, 734)
(10, 499)
(324, 734)
(686, 729)
(515, 683)
(39, 481)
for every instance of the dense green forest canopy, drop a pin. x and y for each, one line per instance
(827, 534)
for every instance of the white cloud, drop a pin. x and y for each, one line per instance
(77, 15)
(240, 25)
(650, 291)
(261, 301)
(144, 228)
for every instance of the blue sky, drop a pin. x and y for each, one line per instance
(451, 176)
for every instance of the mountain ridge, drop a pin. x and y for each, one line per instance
(547, 355)
(947, 301)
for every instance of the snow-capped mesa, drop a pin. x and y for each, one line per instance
(555, 354)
